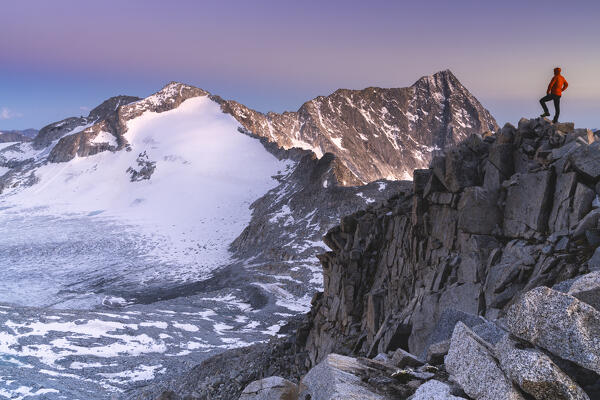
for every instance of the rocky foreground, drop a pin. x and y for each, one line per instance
(482, 282)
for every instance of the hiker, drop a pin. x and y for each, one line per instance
(555, 89)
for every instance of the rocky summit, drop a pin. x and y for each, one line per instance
(478, 282)
(376, 133)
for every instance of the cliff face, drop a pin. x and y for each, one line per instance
(376, 133)
(492, 217)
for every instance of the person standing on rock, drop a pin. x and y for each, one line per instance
(557, 85)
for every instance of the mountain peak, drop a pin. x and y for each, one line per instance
(442, 80)
(405, 125)
(110, 105)
(446, 73)
(173, 92)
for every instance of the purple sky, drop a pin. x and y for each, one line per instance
(60, 58)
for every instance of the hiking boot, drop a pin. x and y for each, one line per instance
(545, 115)
(554, 121)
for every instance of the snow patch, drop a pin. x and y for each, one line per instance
(105, 137)
(338, 142)
(368, 200)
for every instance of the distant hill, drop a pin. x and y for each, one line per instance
(25, 135)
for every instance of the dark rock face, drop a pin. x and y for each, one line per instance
(112, 116)
(528, 202)
(379, 133)
(17, 136)
(145, 168)
(395, 268)
(110, 106)
(55, 131)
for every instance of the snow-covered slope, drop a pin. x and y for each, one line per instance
(205, 176)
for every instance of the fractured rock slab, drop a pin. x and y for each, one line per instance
(336, 378)
(586, 160)
(535, 372)
(402, 358)
(434, 390)
(478, 211)
(560, 323)
(528, 202)
(446, 324)
(271, 388)
(472, 365)
(587, 289)
(563, 196)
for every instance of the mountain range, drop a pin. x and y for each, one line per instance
(187, 200)
(18, 135)
(376, 133)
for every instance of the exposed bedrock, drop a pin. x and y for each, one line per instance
(377, 133)
(493, 217)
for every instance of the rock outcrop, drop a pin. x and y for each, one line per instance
(535, 372)
(57, 130)
(468, 241)
(337, 377)
(111, 118)
(271, 388)
(559, 323)
(471, 363)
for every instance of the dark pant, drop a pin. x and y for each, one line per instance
(556, 99)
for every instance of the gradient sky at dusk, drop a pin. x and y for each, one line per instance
(60, 58)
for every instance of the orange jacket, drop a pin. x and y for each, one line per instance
(557, 85)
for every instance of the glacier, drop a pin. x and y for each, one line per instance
(106, 282)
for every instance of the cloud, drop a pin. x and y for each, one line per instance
(84, 108)
(6, 113)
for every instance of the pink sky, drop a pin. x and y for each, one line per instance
(61, 57)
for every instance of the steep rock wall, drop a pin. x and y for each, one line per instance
(491, 218)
